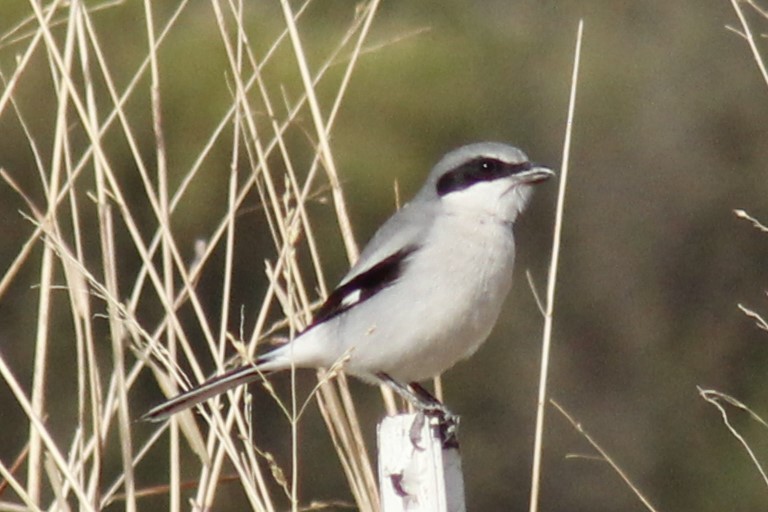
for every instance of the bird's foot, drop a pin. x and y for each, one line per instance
(446, 423)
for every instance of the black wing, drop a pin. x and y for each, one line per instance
(363, 286)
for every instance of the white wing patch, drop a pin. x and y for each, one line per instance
(353, 298)
(364, 285)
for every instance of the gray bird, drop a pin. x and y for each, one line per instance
(426, 290)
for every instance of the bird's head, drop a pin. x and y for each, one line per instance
(487, 177)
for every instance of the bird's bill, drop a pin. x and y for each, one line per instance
(536, 175)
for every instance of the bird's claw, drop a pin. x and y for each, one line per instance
(447, 424)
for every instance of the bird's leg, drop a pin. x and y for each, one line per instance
(428, 398)
(426, 404)
(416, 395)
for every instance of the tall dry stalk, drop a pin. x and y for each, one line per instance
(71, 464)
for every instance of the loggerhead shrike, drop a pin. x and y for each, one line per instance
(426, 290)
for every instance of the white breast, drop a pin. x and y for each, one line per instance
(440, 311)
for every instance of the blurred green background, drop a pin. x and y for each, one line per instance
(670, 135)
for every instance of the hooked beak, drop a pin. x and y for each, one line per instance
(536, 174)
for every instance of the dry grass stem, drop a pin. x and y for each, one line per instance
(755, 223)
(552, 282)
(92, 214)
(604, 456)
(715, 398)
(746, 32)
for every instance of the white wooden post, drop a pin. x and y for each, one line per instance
(418, 470)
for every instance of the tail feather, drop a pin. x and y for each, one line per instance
(208, 389)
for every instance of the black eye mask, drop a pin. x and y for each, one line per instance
(476, 171)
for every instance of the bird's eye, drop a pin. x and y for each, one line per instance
(488, 165)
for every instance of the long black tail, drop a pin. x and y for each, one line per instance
(208, 389)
